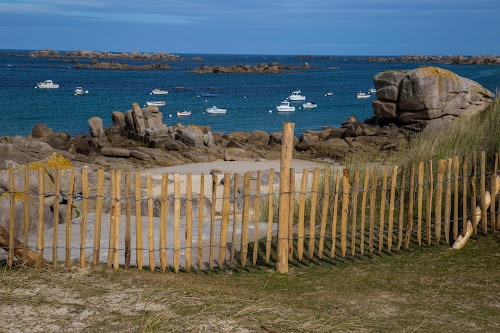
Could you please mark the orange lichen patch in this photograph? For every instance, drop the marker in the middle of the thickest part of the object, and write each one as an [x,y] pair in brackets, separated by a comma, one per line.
[51,162]
[439,72]
[193,126]
[20,197]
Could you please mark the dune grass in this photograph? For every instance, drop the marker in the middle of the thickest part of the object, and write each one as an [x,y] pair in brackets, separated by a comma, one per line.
[429,289]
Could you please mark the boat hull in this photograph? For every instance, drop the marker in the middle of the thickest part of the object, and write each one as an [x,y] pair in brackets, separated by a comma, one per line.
[159,92]
[155,103]
[285,109]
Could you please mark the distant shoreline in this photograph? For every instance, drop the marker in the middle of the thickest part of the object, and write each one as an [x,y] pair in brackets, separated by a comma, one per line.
[451,59]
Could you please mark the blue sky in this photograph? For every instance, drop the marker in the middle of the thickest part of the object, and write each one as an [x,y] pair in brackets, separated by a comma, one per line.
[318,27]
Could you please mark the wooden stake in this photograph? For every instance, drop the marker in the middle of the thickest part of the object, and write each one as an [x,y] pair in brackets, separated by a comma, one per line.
[464,196]
[312,221]
[177,221]
[128,213]
[456,168]
[235,218]
[285,164]
[112,224]
[27,213]
[302,203]
[484,215]
[256,219]
[212,221]
[373,198]
[324,211]
[225,219]
[188,242]
[409,221]
[391,207]
[430,190]
[270,215]
[382,210]
[473,192]
[401,207]
[151,237]
[363,211]
[83,222]
[439,197]
[12,225]
[201,205]
[138,221]
[118,210]
[447,204]
[69,216]
[354,212]
[40,230]
[346,189]
[55,230]
[291,210]
[335,213]
[493,190]
[98,216]
[420,201]
[244,223]
[163,221]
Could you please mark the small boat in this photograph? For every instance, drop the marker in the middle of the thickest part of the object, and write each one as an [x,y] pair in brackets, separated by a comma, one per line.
[180,88]
[79,91]
[155,103]
[159,92]
[362,95]
[372,91]
[47,84]
[329,94]
[209,94]
[296,96]
[216,110]
[183,113]
[309,105]
[285,107]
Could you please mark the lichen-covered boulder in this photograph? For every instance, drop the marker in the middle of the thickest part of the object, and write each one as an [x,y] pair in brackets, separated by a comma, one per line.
[192,136]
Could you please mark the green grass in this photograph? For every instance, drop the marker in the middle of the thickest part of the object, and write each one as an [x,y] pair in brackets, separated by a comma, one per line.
[425,289]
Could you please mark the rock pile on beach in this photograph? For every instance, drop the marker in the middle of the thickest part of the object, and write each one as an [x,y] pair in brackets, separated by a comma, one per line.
[427,95]
[162,56]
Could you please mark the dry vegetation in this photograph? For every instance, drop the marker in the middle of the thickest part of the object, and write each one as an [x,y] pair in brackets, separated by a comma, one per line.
[427,289]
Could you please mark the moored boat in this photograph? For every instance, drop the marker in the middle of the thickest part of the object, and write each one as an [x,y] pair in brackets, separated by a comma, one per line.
[209,94]
[296,96]
[159,92]
[216,110]
[362,95]
[285,107]
[79,91]
[47,84]
[329,94]
[183,113]
[372,91]
[155,103]
[309,105]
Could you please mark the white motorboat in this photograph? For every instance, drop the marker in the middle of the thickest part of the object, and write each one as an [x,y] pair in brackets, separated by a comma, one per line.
[47,84]
[362,95]
[296,96]
[79,91]
[328,94]
[285,107]
[372,91]
[159,92]
[309,105]
[183,113]
[155,103]
[216,110]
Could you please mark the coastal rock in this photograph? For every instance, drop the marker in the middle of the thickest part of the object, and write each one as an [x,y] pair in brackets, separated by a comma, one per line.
[115,152]
[235,154]
[258,138]
[98,137]
[41,131]
[118,119]
[359,129]
[350,119]
[425,94]
[193,136]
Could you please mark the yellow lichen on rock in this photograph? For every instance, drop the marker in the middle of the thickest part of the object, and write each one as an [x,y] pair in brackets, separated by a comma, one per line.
[51,162]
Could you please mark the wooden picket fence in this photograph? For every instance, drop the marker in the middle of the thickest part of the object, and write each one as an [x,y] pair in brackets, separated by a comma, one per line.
[333,213]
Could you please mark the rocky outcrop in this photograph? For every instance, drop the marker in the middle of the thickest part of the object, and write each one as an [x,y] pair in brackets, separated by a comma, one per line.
[123,67]
[418,97]
[273,68]
[456,59]
[162,56]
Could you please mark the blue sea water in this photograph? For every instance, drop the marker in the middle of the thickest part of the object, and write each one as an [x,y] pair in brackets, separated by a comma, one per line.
[248,97]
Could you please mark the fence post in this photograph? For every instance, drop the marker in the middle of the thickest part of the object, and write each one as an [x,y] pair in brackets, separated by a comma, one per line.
[13,218]
[285,164]
[484,215]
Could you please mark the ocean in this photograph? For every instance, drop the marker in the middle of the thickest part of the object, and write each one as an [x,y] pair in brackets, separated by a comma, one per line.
[249,98]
